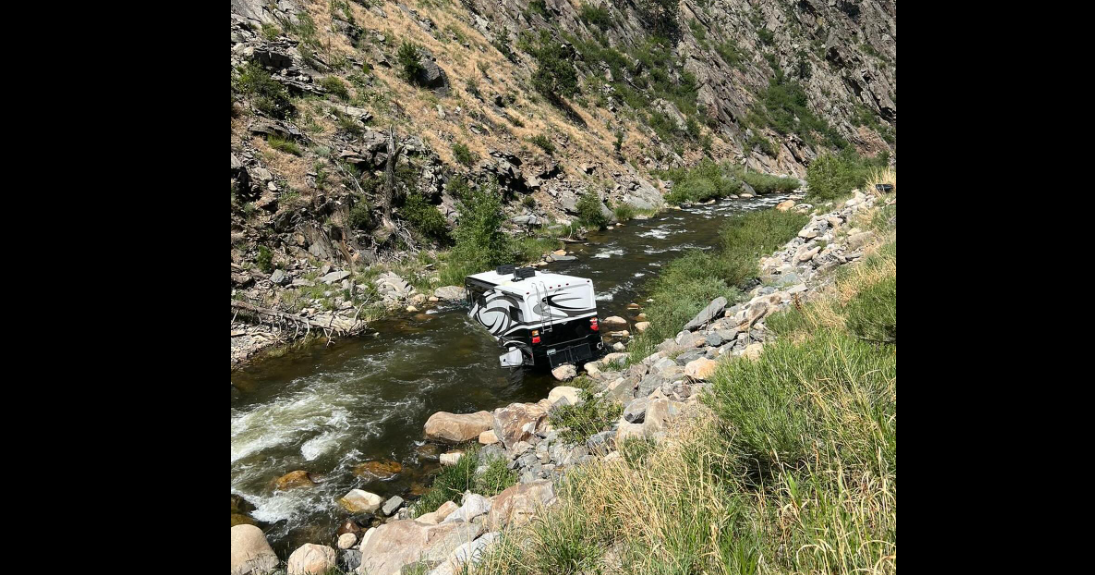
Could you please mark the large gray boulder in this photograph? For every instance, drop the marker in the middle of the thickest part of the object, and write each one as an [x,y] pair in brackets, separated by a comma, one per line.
[712,312]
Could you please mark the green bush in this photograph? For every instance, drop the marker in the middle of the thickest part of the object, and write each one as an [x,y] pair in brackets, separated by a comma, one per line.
[767,183]
[361,215]
[590,212]
[464,155]
[624,212]
[872,313]
[555,76]
[409,62]
[283,145]
[832,176]
[785,107]
[694,190]
[660,17]
[425,218]
[451,482]
[267,94]
[336,87]
[480,242]
[265,260]
[543,142]
[596,16]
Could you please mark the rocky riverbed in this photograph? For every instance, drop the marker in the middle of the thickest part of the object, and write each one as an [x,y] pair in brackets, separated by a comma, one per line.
[652,394]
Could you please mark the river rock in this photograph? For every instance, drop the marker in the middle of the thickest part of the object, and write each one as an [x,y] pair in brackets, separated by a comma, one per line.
[753,350]
[382,470]
[311,559]
[450,293]
[335,277]
[565,372]
[642,326]
[251,554]
[569,395]
[346,540]
[785,205]
[453,428]
[711,312]
[516,505]
[613,322]
[390,506]
[661,410]
[470,553]
[293,480]
[518,422]
[361,501]
[635,411]
[279,277]
[488,437]
[450,459]
[241,519]
[700,369]
[474,506]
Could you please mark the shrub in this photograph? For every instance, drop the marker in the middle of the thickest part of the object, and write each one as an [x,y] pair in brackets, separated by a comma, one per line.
[265,259]
[555,77]
[624,212]
[784,107]
[529,202]
[336,87]
[361,215]
[590,211]
[832,176]
[596,16]
[267,94]
[463,154]
[480,242]
[767,183]
[660,17]
[425,218]
[543,142]
[409,62]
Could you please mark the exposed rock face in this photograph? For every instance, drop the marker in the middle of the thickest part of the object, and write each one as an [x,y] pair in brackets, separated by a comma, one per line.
[251,554]
[454,428]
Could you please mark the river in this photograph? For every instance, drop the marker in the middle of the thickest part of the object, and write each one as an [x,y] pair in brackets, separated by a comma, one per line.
[324,409]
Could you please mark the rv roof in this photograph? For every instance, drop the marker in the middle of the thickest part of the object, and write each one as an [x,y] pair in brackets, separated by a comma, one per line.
[506,281]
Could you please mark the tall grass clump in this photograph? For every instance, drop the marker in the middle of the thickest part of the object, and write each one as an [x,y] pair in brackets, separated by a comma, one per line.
[591,416]
[451,482]
[591,213]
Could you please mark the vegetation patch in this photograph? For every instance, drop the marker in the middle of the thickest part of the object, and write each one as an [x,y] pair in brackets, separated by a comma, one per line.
[593,415]
[452,481]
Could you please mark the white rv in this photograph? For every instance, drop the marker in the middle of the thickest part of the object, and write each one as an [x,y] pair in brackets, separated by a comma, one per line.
[542,319]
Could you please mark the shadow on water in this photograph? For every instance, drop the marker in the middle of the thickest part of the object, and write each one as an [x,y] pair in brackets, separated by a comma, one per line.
[325,409]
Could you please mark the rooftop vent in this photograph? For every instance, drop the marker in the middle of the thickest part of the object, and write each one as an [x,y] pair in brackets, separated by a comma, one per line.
[522,273]
[505,270]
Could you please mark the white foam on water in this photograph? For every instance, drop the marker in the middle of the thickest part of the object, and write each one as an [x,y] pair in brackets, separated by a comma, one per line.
[660,233]
[605,254]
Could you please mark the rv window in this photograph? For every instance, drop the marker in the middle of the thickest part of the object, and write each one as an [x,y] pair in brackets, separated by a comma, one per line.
[515,315]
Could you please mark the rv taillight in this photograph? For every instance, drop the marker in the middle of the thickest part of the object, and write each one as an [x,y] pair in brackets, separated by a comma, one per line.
[593,324]
[536,339]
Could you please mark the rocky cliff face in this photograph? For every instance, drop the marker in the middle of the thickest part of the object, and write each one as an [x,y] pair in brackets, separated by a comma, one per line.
[343,146]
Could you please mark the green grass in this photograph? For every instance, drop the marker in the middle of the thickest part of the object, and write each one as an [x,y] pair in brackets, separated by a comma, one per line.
[335,86]
[589,417]
[543,142]
[266,94]
[767,183]
[687,284]
[452,481]
[872,314]
[283,145]
[793,469]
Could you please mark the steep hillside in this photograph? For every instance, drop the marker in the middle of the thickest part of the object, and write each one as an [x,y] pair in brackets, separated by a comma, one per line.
[350,121]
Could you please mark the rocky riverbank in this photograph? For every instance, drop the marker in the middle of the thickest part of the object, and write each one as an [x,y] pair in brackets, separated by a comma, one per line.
[641,400]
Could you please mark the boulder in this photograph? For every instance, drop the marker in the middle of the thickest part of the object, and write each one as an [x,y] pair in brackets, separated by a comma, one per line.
[661,410]
[635,411]
[400,543]
[470,553]
[450,459]
[570,395]
[627,431]
[251,554]
[565,372]
[613,322]
[311,559]
[642,326]
[785,205]
[361,501]
[701,368]
[382,470]
[753,350]
[454,428]
[713,311]
[279,277]
[474,506]
[293,480]
[518,422]
[450,293]
[516,505]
